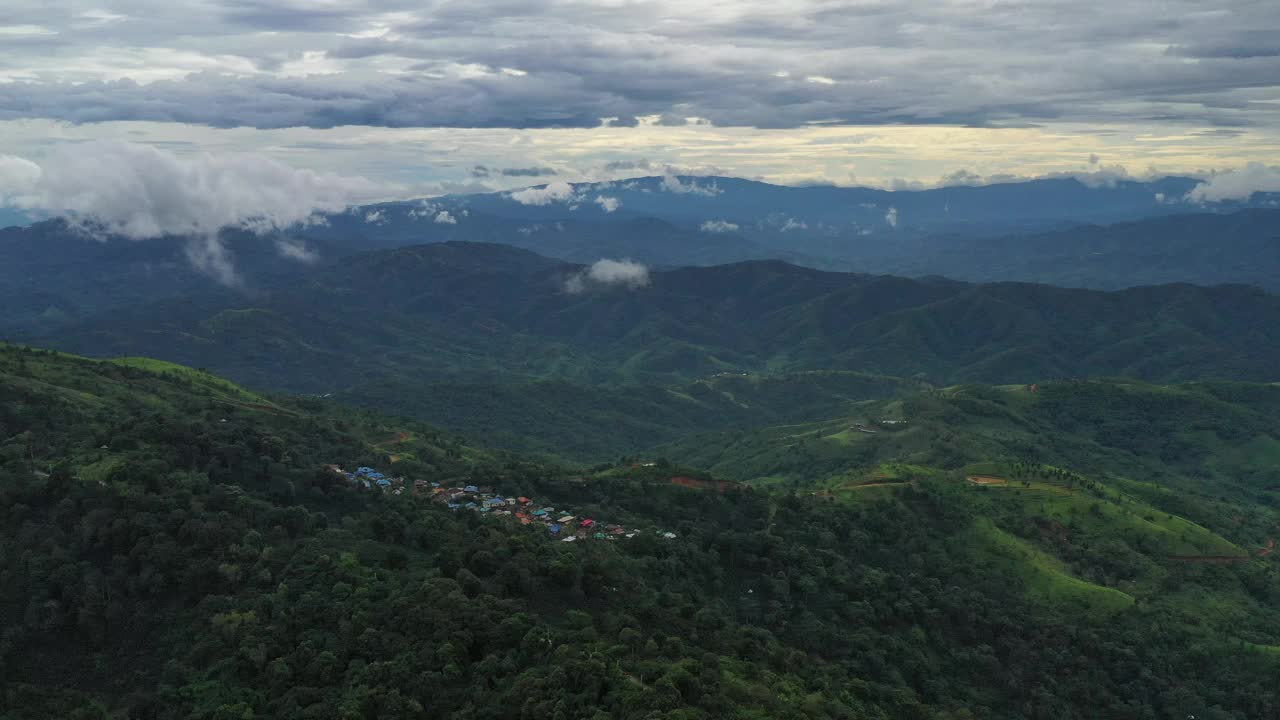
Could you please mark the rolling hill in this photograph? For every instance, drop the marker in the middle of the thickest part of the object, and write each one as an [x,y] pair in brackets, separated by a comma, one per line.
[474,312]
[176,545]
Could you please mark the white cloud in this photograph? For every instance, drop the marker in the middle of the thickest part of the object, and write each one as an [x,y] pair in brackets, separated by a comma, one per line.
[109,188]
[891,217]
[718,226]
[673,184]
[794,224]
[625,273]
[16,175]
[608,204]
[1237,184]
[25,30]
[444,218]
[558,191]
[296,250]
[1103,176]
[425,209]
[375,217]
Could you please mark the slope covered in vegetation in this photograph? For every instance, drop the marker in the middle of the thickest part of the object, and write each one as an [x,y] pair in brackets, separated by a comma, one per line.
[171,552]
[463,312]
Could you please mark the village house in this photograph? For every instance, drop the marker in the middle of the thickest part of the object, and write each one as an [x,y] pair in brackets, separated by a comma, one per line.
[485,500]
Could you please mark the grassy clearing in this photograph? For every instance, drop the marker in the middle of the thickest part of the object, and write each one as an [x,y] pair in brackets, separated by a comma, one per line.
[1116,515]
[197,376]
[1271,651]
[101,470]
[1045,579]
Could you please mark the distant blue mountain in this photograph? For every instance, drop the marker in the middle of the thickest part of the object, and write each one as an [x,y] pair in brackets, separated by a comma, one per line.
[760,206]
[816,224]
[1060,232]
[971,232]
[695,200]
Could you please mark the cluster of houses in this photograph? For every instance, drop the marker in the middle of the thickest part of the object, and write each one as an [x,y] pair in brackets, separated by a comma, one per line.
[863,428]
[560,523]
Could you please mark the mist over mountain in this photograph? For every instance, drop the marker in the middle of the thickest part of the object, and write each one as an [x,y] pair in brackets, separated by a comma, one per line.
[1052,230]
[661,360]
[1042,231]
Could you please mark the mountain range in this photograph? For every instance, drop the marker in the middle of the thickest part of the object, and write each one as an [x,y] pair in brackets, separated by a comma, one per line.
[1063,232]
[398,307]
[780,488]
[406,329]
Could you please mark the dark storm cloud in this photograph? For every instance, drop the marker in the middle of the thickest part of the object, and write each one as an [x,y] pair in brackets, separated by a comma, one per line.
[547,63]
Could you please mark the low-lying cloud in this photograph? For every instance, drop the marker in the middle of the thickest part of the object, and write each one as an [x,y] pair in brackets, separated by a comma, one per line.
[608,204]
[296,249]
[718,226]
[1237,184]
[605,273]
[545,195]
[116,189]
[673,184]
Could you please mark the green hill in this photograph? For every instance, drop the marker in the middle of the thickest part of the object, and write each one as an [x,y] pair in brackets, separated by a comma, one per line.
[173,546]
[595,423]
[481,338]
[463,312]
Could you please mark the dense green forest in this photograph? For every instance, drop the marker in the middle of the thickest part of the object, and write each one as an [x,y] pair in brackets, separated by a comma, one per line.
[479,313]
[591,423]
[486,340]
[174,546]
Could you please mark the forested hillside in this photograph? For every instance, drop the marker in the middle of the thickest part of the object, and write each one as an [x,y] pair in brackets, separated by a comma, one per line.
[462,312]
[173,546]
[595,423]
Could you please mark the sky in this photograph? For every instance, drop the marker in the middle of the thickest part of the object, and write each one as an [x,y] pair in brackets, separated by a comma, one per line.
[398,98]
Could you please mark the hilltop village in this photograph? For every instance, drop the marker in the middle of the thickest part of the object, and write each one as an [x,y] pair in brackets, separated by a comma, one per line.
[560,523]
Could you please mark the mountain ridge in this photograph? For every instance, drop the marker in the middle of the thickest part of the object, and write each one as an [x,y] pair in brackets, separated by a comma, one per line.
[466,312]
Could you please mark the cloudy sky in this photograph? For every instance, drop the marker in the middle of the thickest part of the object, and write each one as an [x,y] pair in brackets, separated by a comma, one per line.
[427,97]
